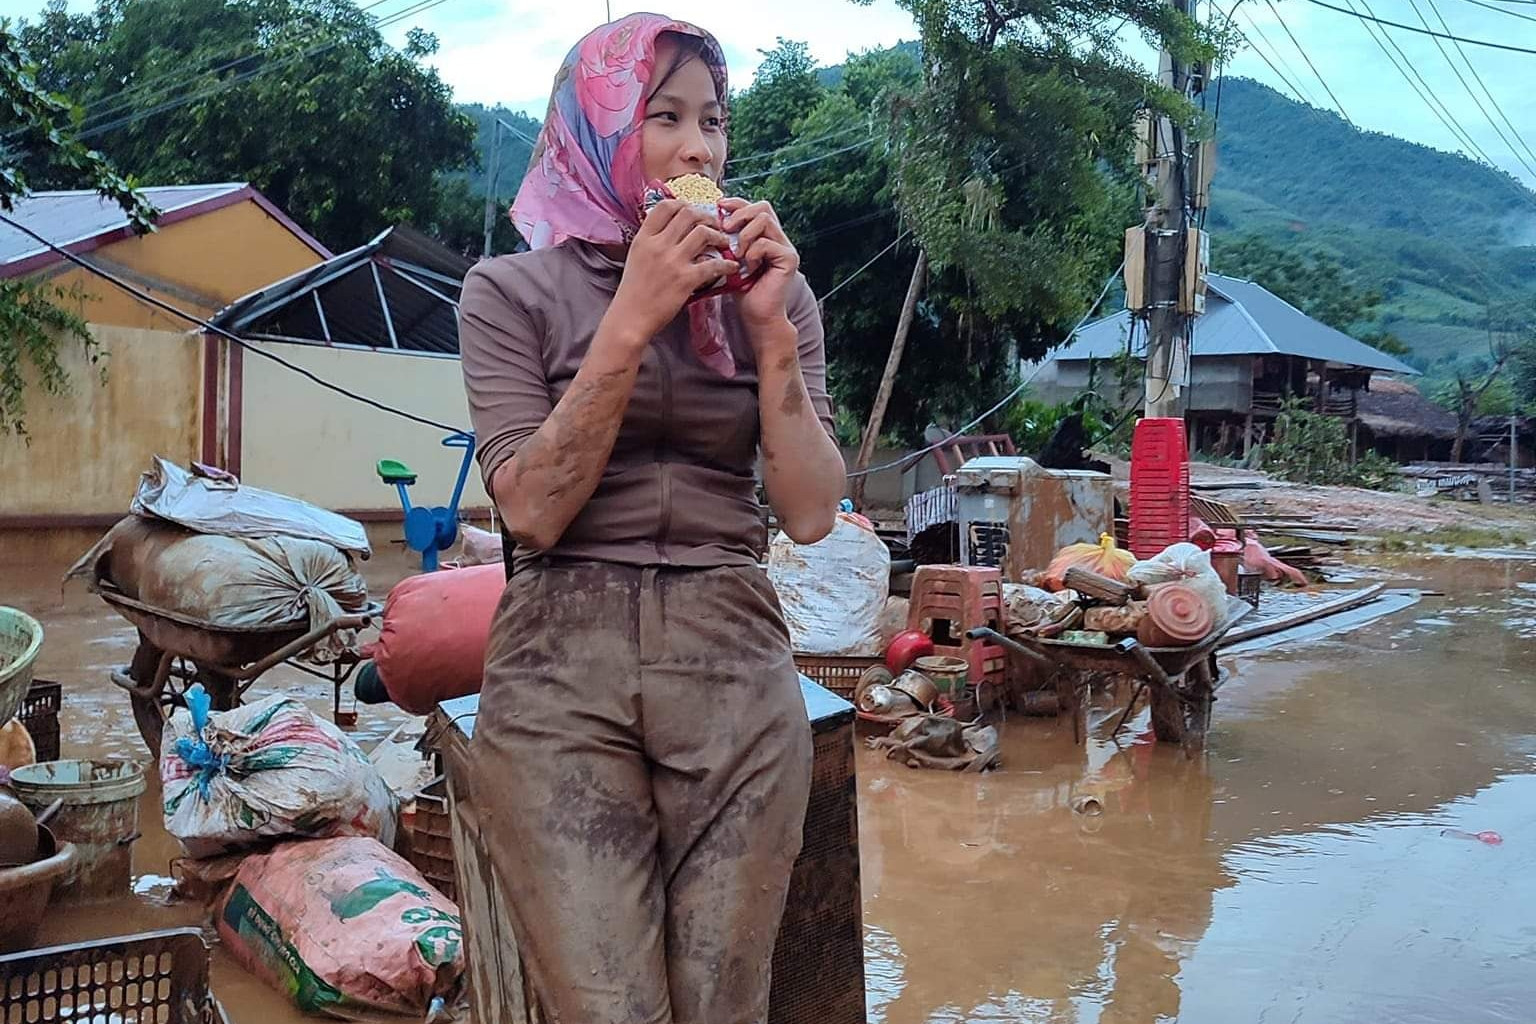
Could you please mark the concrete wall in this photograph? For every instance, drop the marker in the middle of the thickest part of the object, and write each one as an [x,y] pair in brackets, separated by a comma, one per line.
[303,440]
[889,490]
[200,265]
[89,446]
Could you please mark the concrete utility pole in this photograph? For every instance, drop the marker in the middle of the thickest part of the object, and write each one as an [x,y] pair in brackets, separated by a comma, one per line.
[1167,240]
[490,188]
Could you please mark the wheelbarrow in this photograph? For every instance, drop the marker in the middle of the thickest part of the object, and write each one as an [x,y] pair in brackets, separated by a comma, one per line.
[176,651]
[1182,680]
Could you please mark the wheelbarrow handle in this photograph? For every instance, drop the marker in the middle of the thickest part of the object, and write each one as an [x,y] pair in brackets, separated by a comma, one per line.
[988,633]
[1144,660]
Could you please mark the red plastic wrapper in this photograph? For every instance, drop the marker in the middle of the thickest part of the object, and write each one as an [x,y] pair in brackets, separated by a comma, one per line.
[656,192]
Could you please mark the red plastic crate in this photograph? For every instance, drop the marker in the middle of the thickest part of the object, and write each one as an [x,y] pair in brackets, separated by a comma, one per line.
[1159,486]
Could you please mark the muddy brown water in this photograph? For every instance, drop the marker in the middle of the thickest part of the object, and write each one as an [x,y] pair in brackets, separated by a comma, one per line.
[1298,872]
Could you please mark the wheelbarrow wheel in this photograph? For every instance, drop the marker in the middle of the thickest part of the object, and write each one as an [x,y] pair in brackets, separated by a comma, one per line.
[144,670]
[1185,717]
[169,692]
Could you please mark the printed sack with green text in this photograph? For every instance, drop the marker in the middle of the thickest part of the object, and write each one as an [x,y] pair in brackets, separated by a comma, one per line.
[343,925]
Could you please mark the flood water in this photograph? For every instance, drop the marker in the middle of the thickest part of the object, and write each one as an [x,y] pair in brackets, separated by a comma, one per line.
[1299,872]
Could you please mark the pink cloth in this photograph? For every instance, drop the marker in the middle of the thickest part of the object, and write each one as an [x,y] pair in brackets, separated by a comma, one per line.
[587,177]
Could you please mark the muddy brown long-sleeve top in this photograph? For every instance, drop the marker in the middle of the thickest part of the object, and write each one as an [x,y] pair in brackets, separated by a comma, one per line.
[679,488]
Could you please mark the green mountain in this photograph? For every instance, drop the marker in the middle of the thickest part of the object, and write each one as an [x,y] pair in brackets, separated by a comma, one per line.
[1442,237]
[512,144]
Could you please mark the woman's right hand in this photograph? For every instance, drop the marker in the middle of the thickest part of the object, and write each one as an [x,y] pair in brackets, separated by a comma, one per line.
[664,269]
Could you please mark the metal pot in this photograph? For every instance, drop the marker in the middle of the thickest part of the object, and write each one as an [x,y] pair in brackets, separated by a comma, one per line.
[917,686]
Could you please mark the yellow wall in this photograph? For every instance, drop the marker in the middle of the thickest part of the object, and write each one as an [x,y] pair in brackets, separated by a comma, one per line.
[89,446]
[200,265]
[303,440]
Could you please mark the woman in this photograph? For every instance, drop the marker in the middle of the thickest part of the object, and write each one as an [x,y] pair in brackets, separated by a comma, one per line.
[642,752]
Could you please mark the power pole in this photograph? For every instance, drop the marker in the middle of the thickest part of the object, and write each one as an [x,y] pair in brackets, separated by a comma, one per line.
[1514,441]
[887,380]
[490,188]
[1167,246]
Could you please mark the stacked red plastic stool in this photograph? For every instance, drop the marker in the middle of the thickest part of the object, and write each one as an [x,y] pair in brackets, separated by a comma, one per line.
[1159,486]
[949,600]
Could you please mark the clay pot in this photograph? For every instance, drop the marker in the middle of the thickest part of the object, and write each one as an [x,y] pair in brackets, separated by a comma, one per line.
[1177,616]
[18,831]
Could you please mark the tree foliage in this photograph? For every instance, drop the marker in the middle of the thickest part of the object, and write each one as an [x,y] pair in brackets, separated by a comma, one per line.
[33,319]
[1310,447]
[302,98]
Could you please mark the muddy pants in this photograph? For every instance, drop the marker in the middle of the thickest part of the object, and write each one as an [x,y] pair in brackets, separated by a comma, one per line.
[642,764]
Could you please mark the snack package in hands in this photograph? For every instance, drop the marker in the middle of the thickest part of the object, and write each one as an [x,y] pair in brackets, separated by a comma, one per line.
[702,194]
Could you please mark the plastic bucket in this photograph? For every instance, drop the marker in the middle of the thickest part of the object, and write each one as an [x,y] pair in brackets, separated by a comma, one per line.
[948,674]
[100,817]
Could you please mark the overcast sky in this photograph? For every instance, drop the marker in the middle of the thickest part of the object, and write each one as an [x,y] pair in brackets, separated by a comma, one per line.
[507,51]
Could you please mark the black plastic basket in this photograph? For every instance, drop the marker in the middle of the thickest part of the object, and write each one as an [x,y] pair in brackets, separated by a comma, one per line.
[153,978]
[40,715]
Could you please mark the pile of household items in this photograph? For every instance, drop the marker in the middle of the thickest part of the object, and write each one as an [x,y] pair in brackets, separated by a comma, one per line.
[289,832]
[1041,596]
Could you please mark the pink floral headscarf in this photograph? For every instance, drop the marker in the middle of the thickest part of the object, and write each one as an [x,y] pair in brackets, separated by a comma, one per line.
[587,177]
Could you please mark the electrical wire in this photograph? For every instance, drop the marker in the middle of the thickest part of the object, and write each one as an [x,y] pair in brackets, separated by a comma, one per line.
[1304,95]
[800,163]
[1431,99]
[1421,87]
[821,233]
[1469,91]
[166,307]
[799,142]
[1423,31]
[847,280]
[1488,92]
[911,458]
[1323,82]
[1500,10]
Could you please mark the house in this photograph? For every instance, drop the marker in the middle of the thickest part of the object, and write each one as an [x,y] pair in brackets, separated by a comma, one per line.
[214,243]
[1395,419]
[1250,351]
[380,321]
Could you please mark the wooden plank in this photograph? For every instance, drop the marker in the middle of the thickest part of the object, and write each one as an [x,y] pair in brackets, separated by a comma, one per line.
[1343,602]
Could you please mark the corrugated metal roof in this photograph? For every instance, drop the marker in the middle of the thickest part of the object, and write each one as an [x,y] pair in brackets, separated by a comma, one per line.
[68,218]
[421,280]
[1242,318]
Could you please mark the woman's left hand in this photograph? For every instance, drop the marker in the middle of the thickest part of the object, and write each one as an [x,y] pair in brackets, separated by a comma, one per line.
[763,246]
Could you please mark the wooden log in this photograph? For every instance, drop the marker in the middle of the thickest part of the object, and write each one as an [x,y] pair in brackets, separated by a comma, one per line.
[1098,586]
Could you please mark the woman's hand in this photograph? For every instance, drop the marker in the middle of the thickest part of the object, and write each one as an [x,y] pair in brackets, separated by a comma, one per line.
[663,269]
[764,245]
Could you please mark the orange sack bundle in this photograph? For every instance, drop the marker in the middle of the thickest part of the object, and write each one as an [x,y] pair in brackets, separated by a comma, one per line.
[432,640]
[1103,558]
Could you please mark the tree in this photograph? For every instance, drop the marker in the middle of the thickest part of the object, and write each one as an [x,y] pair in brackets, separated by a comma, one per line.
[302,98]
[1480,388]
[1005,156]
[784,91]
[33,319]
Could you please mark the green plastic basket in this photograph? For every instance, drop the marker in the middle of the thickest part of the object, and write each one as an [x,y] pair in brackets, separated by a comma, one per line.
[21,637]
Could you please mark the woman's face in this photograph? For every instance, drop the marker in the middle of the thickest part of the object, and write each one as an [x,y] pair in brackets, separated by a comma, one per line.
[684,130]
